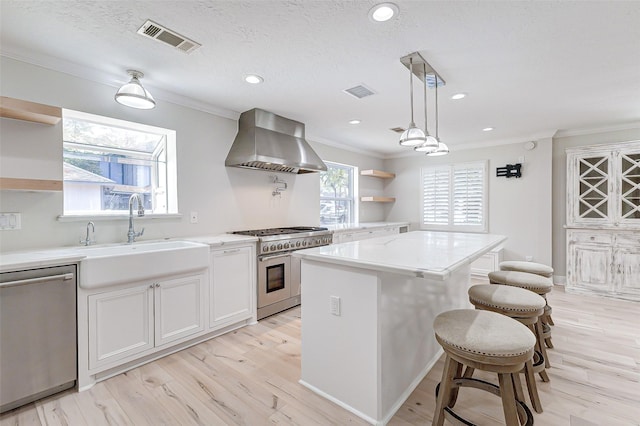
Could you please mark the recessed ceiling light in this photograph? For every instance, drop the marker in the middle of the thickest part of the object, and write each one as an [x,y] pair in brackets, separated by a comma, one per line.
[487,129]
[354,122]
[458,96]
[383,12]
[253,79]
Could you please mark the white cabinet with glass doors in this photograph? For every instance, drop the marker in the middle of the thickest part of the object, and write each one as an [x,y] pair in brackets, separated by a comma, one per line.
[603,219]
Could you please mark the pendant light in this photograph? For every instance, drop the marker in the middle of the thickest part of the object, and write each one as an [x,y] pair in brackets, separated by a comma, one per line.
[413,135]
[430,143]
[133,95]
[442,148]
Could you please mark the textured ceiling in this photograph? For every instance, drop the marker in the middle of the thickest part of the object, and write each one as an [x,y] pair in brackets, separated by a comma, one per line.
[529,68]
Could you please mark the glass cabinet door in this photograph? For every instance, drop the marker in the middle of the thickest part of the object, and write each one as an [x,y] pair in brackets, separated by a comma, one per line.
[629,185]
[594,197]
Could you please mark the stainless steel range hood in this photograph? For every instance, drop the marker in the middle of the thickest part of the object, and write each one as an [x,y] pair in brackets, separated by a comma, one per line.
[266,141]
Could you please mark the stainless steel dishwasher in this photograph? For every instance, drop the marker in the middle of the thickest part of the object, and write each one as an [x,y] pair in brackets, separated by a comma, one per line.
[37,334]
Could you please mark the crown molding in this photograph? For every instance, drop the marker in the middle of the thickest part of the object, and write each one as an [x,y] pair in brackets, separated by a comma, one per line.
[596,130]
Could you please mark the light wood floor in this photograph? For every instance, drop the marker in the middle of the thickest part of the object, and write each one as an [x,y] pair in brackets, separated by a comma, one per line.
[249,377]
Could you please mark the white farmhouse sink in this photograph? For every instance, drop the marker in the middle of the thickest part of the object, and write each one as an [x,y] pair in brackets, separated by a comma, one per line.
[128,263]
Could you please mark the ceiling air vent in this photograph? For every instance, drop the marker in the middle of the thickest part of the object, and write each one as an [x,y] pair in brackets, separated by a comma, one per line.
[397,129]
[360,91]
[158,32]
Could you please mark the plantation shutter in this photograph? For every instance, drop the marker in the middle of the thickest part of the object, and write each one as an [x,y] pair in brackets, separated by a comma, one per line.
[454,197]
[468,195]
[435,200]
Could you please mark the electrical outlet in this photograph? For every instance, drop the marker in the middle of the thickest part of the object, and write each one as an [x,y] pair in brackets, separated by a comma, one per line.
[10,221]
[334,305]
[193,218]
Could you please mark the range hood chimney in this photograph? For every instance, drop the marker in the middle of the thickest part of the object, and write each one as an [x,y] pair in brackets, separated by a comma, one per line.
[266,141]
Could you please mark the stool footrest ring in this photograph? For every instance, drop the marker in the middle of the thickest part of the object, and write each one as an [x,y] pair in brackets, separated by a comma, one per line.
[454,418]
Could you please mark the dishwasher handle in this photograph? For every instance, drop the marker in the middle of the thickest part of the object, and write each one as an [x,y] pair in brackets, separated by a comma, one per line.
[64,277]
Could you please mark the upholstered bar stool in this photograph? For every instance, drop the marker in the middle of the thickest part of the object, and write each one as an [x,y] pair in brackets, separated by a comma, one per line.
[535,283]
[532,268]
[524,306]
[488,341]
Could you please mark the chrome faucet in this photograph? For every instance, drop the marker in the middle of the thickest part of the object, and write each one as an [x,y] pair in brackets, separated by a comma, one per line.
[132,234]
[88,241]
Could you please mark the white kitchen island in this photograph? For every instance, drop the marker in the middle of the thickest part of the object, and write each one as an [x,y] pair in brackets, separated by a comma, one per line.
[370,353]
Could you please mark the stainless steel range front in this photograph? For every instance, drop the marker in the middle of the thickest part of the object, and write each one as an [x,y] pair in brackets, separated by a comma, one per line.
[278,271]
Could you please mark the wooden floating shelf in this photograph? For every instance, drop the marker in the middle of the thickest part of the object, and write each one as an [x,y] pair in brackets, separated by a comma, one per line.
[29,111]
[378,174]
[19,184]
[378,199]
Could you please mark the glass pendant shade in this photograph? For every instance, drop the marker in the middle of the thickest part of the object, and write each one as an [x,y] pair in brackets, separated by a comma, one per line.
[413,136]
[429,145]
[442,149]
[133,95]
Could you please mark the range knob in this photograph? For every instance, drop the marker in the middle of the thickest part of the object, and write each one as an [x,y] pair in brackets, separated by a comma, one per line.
[286,245]
[279,246]
[273,247]
[304,244]
[317,240]
[297,243]
[265,248]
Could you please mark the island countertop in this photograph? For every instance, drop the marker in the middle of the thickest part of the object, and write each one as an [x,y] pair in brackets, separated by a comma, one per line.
[426,254]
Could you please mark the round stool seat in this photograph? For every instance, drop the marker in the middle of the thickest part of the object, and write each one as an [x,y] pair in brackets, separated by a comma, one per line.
[484,336]
[513,301]
[530,267]
[532,282]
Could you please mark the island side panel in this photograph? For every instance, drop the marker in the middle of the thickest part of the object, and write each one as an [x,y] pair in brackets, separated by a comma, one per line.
[408,306]
[340,354]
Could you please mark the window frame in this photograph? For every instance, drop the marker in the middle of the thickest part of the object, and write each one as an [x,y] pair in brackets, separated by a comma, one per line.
[169,175]
[353,190]
[450,196]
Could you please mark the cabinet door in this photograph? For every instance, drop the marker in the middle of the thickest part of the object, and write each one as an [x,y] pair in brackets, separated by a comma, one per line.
[627,269]
[590,188]
[628,190]
[590,266]
[120,324]
[179,308]
[233,289]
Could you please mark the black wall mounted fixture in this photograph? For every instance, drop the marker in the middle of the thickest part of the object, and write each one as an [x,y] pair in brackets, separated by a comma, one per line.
[511,170]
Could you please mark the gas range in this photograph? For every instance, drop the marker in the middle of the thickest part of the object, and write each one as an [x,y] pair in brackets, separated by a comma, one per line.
[275,240]
[279,277]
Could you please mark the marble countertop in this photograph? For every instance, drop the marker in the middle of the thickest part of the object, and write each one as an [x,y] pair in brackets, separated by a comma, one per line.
[346,227]
[427,254]
[42,258]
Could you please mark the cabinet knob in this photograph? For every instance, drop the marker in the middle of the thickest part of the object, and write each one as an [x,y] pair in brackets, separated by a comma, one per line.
[151,286]
[157,285]
[593,238]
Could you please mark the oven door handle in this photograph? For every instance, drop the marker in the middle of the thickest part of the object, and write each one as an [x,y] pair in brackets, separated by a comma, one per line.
[273,256]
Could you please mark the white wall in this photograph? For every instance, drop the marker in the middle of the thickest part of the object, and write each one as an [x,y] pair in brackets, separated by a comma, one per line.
[560,144]
[225,198]
[520,208]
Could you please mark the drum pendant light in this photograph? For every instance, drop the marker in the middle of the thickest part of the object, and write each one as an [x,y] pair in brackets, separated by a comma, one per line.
[413,136]
[430,143]
[133,95]
[442,148]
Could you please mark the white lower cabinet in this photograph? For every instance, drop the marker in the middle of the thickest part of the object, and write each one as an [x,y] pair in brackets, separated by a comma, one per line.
[605,262]
[233,285]
[129,321]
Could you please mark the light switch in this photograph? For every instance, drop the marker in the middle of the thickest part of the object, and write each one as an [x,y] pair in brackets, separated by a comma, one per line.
[193,217]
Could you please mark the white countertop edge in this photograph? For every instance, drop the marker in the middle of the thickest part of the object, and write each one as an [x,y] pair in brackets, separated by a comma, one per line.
[416,272]
[46,257]
[363,226]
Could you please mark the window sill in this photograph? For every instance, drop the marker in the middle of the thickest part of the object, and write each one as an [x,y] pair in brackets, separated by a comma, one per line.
[105,217]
